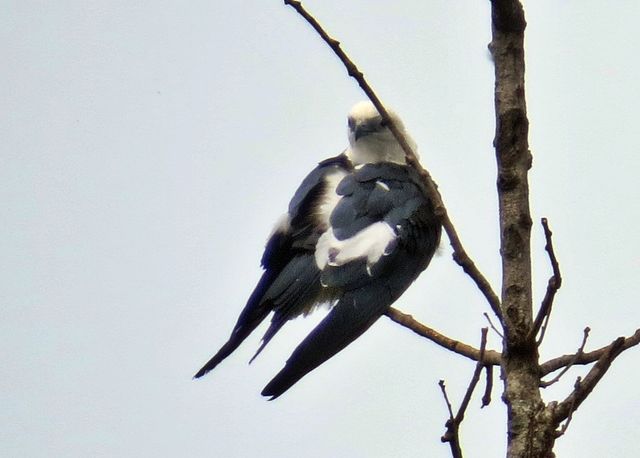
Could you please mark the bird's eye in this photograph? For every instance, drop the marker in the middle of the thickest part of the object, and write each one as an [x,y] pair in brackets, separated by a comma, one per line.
[384,123]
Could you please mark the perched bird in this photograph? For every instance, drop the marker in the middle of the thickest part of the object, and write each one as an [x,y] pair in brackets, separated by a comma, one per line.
[359,230]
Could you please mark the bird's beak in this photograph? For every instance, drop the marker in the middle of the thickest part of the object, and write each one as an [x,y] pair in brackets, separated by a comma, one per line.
[362,130]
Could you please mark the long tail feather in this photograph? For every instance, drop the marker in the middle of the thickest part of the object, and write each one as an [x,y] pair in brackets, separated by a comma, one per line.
[252,315]
[234,342]
[351,316]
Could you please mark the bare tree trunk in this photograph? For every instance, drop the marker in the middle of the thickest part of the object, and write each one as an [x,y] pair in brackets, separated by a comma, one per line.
[530,427]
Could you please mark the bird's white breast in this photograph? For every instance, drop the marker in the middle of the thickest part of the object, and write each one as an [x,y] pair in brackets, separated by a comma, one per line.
[330,198]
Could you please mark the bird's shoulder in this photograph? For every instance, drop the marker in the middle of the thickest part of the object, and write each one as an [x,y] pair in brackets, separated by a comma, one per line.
[382,191]
[301,226]
[312,186]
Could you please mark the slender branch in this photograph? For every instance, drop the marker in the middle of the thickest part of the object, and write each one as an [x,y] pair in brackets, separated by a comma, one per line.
[491,357]
[554,284]
[460,256]
[586,358]
[486,315]
[572,408]
[582,389]
[443,388]
[580,351]
[486,398]
[474,379]
[452,435]
[543,328]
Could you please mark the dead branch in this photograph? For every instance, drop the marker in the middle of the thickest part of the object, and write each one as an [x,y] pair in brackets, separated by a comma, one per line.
[474,379]
[580,351]
[582,389]
[452,435]
[563,428]
[460,256]
[486,397]
[553,285]
[446,398]
[586,358]
[491,357]
[486,315]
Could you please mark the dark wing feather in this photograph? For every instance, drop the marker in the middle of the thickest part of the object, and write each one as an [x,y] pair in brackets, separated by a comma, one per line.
[291,278]
[352,315]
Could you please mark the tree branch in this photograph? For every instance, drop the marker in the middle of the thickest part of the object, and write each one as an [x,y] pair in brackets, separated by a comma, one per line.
[486,315]
[583,388]
[486,398]
[474,379]
[586,358]
[580,351]
[554,284]
[564,427]
[460,256]
[452,435]
[491,357]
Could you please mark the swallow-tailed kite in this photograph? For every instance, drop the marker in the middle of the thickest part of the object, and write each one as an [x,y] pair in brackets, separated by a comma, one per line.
[359,230]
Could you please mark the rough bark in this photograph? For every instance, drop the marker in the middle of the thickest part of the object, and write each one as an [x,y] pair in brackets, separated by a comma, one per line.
[530,425]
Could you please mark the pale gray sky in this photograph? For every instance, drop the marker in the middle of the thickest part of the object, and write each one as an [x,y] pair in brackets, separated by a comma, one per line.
[148,147]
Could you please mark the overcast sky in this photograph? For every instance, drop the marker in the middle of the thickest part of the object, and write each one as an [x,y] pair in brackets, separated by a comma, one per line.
[148,147]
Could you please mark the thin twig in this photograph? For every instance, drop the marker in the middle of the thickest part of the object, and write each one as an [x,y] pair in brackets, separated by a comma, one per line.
[491,357]
[580,351]
[543,329]
[486,398]
[582,389]
[554,284]
[486,315]
[443,388]
[586,358]
[564,427]
[452,434]
[474,379]
[460,256]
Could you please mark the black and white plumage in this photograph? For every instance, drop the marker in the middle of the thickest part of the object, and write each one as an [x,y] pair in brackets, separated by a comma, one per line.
[359,230]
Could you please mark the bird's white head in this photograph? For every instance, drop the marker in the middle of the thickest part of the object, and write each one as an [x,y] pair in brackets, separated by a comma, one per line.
[370,139]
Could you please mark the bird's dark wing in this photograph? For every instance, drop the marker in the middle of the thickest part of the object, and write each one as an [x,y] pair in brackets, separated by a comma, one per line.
[384,196]
[383,234]
[290,283]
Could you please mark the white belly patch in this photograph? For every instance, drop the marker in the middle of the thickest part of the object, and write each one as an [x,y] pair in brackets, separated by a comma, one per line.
[371,243]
